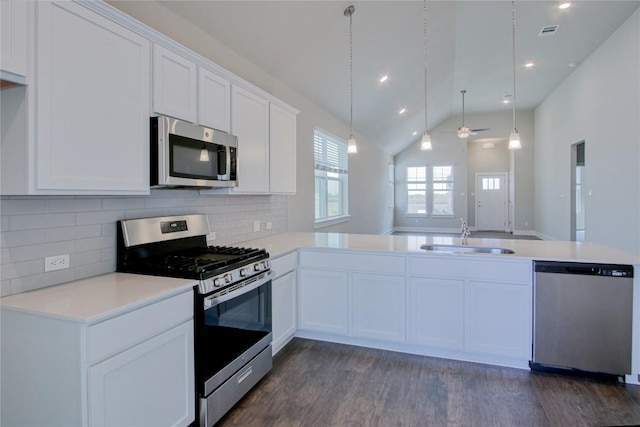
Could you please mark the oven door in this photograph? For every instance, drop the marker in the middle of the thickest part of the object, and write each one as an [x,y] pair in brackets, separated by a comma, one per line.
[233,327]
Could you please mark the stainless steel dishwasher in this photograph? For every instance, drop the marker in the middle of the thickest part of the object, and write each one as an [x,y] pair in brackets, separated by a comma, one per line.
[582,317]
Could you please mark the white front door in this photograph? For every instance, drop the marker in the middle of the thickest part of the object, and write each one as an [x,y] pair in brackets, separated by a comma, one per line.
[491,201]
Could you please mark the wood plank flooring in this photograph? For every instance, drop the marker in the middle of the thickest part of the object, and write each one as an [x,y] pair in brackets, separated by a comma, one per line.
[315,383]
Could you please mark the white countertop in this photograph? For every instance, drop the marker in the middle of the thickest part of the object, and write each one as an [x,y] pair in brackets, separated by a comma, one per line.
[96,298]
[281,244]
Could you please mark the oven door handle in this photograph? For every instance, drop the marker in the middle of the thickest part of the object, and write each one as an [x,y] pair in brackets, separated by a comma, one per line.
[215,300]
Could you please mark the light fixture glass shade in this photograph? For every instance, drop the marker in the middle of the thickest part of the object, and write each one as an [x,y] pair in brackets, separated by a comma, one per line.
[426,142]
[351,145]
[204,155]
[463,132]
[514,140]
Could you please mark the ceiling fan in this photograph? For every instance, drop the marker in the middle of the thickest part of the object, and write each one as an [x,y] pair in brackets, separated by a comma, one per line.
[463,131]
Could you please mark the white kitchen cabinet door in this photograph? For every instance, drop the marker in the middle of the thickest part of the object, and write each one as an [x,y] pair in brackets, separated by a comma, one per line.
[323,301]
[151,384]
[283,299]
[250,123]
[435,312]
[214,101]
[498,319]
[92,134]
[282,150]
[377,307]
[13,40]
[175,90]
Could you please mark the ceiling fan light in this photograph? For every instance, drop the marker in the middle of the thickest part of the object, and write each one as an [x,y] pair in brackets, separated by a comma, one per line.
[426,142]
[351,145]
[514,140]
[463,132]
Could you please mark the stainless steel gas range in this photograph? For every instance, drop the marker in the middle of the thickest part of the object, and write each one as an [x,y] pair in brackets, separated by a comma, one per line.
[232,302]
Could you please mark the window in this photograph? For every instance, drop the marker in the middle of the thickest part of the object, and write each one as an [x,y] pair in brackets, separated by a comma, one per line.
[433,190]
[331,176]
[490,184]
[442,191]
[417,190]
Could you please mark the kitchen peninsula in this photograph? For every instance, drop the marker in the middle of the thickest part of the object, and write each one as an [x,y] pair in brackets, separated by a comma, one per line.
[386,292]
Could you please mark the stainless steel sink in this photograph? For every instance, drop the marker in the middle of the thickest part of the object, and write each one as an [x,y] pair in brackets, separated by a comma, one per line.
[466,249]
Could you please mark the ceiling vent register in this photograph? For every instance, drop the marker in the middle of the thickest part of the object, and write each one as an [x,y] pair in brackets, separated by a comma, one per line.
[549,30]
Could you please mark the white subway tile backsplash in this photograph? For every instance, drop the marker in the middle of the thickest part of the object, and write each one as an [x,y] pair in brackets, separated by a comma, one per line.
[95,243]
[32,222]
[100,217]
[22,206]
[22,269]
[85,227]
[12,239]
[84,258]
[73,205]
[73,233]
[25,253]
[38,281]
[97,269]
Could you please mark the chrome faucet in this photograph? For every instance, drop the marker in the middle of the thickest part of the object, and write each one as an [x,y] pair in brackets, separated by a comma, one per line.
[465,231]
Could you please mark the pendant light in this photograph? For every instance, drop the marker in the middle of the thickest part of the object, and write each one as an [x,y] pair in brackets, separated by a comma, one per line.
[351,145]
[426,138]
[514,138]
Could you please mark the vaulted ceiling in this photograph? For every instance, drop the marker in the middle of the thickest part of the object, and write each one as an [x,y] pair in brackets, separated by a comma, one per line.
[305,44]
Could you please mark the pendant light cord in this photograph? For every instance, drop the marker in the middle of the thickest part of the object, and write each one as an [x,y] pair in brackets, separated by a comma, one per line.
[351,69]
[513,54]
[424,15]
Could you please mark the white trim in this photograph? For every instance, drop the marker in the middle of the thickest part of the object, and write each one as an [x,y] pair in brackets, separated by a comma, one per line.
[525,233]
[544,236]
[331,221]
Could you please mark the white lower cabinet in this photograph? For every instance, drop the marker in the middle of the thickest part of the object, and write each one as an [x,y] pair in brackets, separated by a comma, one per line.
[134,369]
[435,312]
[146,385]
[323,301]
[283,297]
[498,319]
[377,306]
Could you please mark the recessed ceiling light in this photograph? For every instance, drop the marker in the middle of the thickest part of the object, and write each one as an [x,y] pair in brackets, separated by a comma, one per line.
[404,110]
[384,78]
[507,98]
[505,101]
[565,5]
[529,64]
[415,132]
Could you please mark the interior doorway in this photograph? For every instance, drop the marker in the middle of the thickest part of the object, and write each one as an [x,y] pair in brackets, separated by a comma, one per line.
[491,202]
[578,193]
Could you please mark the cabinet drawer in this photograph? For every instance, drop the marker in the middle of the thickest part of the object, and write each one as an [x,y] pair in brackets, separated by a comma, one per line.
[114,335]
[284,264]
[479,269]
[370,263]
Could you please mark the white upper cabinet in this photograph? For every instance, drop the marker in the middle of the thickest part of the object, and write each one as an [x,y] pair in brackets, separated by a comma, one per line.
[214,101]
[250,123]
[92,110]
[282,150]
[13,40]
[175,90]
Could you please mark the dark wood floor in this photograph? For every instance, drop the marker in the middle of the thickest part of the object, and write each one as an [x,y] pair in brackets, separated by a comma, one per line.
[315,383]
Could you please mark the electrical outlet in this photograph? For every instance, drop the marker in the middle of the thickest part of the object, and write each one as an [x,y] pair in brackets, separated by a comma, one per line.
[56,262]
[268,225]
[256,226]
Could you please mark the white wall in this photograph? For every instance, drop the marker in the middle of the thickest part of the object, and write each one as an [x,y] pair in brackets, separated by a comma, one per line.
[449,149]
[600,104]
[368,208]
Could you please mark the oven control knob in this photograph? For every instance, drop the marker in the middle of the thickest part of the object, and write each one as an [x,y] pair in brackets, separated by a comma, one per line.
[217,282]
[227,278]
[257,266]
[243,272]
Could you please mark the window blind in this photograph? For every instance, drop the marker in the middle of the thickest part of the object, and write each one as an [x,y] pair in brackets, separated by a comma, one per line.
[330,153]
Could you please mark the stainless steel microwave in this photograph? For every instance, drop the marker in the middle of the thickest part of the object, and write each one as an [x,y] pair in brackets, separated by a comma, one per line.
[187,155]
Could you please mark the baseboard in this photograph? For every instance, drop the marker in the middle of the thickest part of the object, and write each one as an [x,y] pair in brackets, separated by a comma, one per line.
[525,233]
[544,236]
[388,232]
